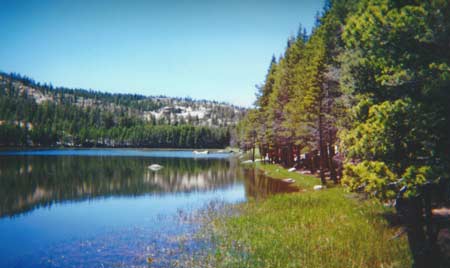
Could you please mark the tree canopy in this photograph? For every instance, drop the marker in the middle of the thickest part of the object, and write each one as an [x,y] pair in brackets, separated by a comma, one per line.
[371,81]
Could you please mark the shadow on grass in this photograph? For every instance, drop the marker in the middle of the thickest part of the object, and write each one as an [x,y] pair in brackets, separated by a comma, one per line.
[425,253]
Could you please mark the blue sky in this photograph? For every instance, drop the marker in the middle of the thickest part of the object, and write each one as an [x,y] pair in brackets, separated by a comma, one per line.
[202,49]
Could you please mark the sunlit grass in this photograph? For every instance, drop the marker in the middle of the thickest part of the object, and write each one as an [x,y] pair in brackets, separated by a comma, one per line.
[304,182]
[327,228]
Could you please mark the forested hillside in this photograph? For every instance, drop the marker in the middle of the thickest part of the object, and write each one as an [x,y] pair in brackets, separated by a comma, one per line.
[41,115]
[365,98]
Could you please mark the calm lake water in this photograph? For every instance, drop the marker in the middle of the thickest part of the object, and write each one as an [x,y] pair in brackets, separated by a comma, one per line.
[106,208]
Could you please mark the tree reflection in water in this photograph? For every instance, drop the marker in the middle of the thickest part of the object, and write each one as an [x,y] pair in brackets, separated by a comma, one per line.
[258,185]
[28,182]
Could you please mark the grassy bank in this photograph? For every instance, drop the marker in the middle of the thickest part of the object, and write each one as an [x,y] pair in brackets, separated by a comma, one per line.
[304,182]
[328,228]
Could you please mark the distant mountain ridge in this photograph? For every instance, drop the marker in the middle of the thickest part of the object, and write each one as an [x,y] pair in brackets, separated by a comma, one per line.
[166,110]
[34,114]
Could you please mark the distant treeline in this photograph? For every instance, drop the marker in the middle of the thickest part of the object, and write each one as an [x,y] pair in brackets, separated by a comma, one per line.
[23,122]
[70,95]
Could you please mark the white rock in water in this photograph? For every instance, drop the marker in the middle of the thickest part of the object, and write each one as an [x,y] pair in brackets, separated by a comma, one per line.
[155,167]
[247,162]
[288,180]
[319,187]
[291,169]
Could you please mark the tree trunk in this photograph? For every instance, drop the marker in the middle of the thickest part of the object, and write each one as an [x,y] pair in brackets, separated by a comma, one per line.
[261,152]
[291,155]
[277,154]
[287,157]
[321,147]
[253,153]
[331,163]
[326,166]
[274,153]
[311,160]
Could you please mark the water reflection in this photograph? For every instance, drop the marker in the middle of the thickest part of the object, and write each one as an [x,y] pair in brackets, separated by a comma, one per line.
[28,182]
[129,212]
[258,185]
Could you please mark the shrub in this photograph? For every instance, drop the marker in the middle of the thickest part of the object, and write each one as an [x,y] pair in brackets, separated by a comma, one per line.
[372,177]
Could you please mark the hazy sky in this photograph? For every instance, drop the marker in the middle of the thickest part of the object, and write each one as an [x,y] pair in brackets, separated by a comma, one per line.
[201,49]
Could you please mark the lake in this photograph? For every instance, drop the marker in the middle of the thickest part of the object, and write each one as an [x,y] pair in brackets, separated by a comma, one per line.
[106,208]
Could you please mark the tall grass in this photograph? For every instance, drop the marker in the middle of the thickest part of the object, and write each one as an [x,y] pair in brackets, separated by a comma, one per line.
[326,228]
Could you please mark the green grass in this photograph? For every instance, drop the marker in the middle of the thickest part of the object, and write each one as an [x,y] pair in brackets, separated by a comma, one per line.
[327,228]
[305,182]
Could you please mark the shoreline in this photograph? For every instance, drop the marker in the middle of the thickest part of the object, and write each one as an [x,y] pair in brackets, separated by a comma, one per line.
[326,228]
[100,148]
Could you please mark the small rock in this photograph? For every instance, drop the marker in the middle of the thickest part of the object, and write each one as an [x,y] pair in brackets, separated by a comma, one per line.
[155,167]
[319,187]
[288,180]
